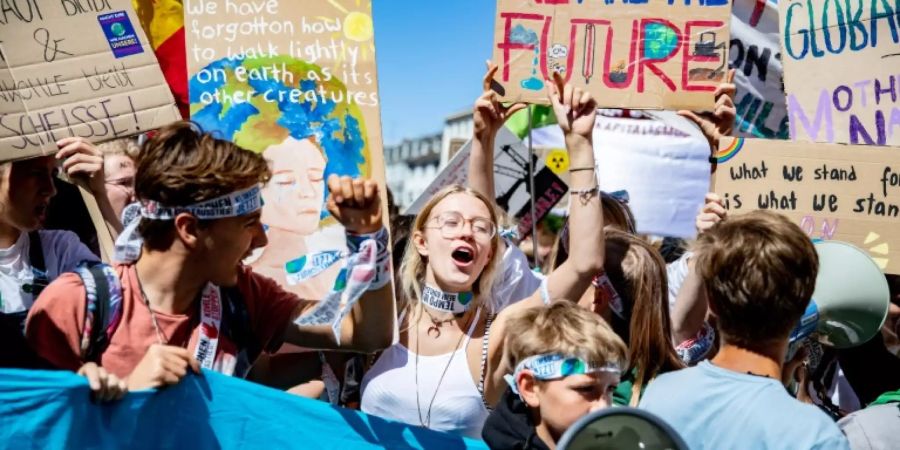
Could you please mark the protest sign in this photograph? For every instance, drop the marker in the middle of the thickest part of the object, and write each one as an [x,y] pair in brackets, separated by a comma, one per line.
[840,70]
[849,193]
[755,54]
[511,183]
[75,68]
[632,54]
[296,82]
[647,153]
[54,409]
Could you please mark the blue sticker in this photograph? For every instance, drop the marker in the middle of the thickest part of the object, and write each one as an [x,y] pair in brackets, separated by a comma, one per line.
[120,33]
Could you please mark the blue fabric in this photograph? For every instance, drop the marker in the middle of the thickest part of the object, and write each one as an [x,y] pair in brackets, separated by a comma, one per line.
[42,409]
[715,408]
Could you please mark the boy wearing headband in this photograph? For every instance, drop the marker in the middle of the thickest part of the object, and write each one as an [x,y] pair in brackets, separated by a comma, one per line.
[186,301]
[566,363]
[759,272]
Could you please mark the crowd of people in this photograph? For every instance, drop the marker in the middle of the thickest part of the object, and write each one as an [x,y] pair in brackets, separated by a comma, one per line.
[470,340]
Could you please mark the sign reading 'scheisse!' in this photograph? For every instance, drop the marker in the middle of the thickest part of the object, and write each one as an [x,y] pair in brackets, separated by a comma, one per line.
[75,68]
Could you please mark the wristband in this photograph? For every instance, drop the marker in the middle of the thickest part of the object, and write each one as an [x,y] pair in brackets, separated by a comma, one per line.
[382,255]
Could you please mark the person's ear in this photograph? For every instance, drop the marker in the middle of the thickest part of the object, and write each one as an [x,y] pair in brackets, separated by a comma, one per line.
[418,239]
[187,228]
[527,386]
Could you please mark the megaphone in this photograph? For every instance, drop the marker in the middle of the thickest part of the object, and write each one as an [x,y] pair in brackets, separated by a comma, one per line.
[850,302]
[621,428]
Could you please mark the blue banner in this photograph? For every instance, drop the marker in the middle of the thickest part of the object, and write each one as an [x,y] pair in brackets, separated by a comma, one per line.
[41,409]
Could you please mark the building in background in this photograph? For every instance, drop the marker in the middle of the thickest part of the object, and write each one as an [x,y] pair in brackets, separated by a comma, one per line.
[413,163]
[457,131]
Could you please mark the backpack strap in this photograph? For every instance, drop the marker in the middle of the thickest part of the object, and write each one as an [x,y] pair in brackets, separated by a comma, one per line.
[38,265]
[103,309]
[236,325]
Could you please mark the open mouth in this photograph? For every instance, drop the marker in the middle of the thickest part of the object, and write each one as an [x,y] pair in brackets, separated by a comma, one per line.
[463,255]
[40,211]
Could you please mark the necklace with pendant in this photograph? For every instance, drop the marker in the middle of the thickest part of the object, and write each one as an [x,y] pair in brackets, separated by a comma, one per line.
[436,324]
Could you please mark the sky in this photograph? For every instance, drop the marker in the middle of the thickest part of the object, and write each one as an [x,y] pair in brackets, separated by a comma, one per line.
[430,57]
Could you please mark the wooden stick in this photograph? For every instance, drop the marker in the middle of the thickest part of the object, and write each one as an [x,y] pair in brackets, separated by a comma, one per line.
[104,233]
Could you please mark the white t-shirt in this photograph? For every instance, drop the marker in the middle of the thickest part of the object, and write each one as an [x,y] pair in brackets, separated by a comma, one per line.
[63,251]
[515,280]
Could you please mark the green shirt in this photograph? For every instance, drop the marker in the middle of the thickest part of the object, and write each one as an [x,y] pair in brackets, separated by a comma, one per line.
[622,394]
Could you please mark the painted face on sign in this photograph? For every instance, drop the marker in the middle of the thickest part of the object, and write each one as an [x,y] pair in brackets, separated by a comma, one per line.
[293,198]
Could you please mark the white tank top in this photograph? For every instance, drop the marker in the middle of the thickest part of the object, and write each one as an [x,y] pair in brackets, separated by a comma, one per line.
[389,389]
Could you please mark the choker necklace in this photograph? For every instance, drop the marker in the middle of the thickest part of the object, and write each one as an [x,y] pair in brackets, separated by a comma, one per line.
[456,303]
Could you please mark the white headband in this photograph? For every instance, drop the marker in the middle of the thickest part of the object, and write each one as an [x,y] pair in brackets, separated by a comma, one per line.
[239,203]
[552,366]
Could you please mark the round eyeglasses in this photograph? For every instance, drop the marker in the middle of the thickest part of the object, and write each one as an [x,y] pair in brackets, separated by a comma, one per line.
[452,225]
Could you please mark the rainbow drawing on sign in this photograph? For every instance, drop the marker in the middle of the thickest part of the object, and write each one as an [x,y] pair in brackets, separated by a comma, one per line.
[725,154]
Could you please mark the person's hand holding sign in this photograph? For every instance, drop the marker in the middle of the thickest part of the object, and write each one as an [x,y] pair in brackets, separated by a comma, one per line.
[720,122]
[489,114]
[355,203]
[82,160]
[575,109]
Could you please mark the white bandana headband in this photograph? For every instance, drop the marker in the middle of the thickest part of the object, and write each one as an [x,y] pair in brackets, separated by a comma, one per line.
[367,268]
[553,366]
[452,302]
[128,245]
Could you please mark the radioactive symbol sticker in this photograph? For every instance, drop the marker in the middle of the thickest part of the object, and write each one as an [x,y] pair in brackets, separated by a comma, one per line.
[557,160]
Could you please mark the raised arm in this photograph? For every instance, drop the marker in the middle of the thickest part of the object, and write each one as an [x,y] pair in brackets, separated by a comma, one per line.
[488,116]
[82,161]
[576,112]
[720,122]
[356,204]
[689,313]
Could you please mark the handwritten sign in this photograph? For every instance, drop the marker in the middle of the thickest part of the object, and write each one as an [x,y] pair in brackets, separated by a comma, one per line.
[75,68]
[295,81]
[755,54]
[833,191]
[647,153]
[627,53]
[511,184]
[841,64]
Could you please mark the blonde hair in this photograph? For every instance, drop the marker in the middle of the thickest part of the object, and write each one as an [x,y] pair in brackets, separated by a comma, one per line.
[562,327]
[414,265]
[126,146]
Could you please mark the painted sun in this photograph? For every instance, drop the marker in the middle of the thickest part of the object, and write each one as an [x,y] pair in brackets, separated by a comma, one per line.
[357,25]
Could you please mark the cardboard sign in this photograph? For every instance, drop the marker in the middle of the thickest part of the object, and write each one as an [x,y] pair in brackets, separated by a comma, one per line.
[841,63]
[660,158]
[755,54]
[295,81]
[511,184]
[628,54]
[833,191]
[75,68]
